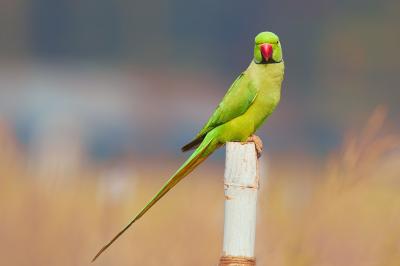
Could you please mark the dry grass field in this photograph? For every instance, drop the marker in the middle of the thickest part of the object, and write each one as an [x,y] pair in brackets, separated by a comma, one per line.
[341,211]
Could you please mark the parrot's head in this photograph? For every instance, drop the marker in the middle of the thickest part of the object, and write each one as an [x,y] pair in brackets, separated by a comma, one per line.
[267,48]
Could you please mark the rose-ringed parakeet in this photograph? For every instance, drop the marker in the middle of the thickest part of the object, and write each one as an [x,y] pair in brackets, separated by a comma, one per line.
[252,97]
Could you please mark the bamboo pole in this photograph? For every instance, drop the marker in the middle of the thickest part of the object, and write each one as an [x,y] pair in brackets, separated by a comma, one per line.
[241,184]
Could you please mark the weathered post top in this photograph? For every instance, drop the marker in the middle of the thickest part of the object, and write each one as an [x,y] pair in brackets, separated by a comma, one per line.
[241,184]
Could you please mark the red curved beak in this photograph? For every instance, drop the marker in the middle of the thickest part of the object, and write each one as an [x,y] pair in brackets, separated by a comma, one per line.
[266,51]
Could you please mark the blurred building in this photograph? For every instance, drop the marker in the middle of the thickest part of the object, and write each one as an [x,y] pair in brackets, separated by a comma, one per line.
[125,77]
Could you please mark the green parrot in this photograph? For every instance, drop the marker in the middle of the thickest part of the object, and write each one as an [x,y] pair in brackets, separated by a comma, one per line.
[252,97]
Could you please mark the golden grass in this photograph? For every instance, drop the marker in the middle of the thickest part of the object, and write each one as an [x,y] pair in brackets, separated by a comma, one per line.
[345,214]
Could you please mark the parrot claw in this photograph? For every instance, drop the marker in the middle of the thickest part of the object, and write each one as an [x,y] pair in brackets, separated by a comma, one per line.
[257,142]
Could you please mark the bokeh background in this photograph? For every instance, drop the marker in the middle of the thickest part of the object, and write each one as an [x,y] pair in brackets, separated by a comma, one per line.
[96,98]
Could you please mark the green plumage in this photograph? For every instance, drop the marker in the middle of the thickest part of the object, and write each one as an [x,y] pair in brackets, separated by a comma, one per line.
[249,101]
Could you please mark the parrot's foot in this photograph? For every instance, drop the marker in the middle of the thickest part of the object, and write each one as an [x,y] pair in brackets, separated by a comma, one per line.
[257,142]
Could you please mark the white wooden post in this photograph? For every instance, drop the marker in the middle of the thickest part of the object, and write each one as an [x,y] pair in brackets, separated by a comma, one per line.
[241,185]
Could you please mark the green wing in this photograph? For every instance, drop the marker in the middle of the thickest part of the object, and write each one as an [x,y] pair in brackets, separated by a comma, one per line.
[236,101]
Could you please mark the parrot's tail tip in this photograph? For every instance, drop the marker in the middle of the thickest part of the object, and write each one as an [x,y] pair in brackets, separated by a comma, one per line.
[98,254]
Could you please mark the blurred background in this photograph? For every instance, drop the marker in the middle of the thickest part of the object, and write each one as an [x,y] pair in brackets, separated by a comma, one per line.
[97,97]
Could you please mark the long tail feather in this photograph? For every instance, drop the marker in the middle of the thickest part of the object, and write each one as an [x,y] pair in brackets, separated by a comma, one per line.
[198,156]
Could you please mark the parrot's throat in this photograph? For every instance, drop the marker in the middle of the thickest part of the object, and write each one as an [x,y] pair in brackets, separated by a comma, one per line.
[270,61]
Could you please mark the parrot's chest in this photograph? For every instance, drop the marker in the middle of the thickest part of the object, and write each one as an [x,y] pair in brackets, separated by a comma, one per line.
[272,75]
[269,84]
[268,80]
